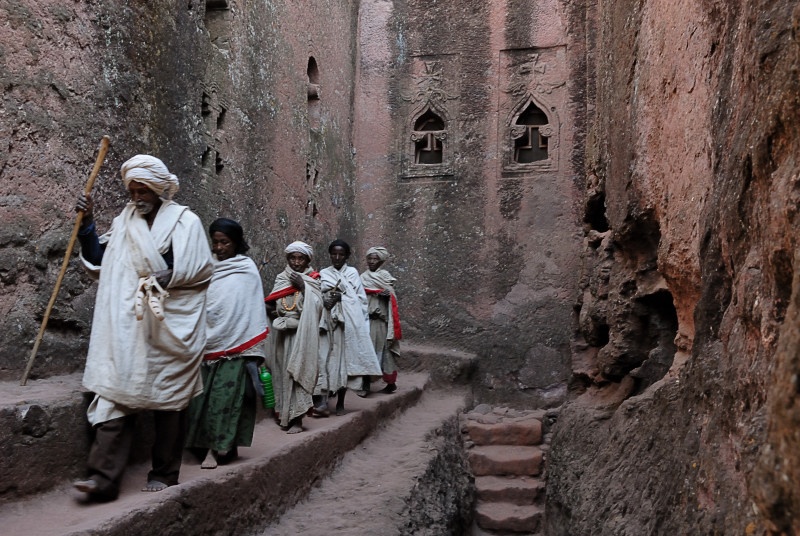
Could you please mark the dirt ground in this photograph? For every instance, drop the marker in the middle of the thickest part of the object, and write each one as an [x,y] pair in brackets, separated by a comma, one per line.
[366,493]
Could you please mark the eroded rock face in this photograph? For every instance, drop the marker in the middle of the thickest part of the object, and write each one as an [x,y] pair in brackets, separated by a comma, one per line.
[218,91]
[693,150]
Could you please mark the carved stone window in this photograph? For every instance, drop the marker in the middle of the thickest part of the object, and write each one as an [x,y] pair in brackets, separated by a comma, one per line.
[532,138]
[221,118]
[312,73]
[428,136]
[213,110]
[430,120]
[428,154]
[530,145]
[313,93]
[217,21]
[212,160]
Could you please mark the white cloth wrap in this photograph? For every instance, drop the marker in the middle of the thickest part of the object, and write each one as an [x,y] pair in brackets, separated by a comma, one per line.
[149,364]
[381,280]
[300,247]
[235,306]
[151,172]
[359,354]
[293,351]
[381,252]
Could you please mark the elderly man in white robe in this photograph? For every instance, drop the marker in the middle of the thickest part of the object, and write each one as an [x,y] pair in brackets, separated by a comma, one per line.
[148,331]
[351,361]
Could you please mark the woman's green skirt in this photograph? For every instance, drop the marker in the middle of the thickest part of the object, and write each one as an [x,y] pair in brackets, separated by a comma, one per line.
[224,415]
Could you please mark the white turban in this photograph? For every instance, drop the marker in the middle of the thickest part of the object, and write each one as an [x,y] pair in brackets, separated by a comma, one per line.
[381,252]
[151,172]
[300,247]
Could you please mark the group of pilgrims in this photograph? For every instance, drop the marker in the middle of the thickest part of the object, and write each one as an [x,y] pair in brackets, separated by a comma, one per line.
[326,332]
[186,332]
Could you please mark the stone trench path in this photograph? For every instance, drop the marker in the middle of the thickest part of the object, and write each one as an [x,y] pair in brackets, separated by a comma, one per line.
[367,492]
[260,489]
[359,474]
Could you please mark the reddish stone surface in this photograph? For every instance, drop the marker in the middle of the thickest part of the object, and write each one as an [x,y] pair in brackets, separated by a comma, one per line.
[525,432]
[508,517]
[514,490]
[689,307]
[652,270]
[505,460]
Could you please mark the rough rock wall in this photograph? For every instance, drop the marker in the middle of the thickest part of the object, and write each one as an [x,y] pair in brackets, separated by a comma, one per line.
[220,90]
[687,350]
[442,498]
[485,245]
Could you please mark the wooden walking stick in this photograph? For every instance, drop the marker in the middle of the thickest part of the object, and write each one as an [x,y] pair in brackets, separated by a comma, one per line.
[101,155]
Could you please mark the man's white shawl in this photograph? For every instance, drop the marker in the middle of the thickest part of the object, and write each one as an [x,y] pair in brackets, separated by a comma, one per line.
[235,306]
[150,364]
[381,280]
[302,365]
[352,312]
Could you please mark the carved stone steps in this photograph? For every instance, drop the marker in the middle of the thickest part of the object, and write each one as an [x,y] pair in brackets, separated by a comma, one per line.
[506,455]
[520,431]
[505,460]
[515,490]
[509,517]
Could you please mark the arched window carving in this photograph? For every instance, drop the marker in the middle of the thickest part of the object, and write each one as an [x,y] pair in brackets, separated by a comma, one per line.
[429,136]
[530,143]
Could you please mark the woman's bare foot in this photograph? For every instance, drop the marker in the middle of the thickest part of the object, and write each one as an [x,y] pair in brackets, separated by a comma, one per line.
[210,462]
[294,429]
[154,485]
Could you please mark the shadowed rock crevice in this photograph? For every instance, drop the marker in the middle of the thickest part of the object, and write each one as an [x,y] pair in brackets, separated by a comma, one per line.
[627,319]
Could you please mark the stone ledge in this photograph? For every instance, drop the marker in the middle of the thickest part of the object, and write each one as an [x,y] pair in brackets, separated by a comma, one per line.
[446,366]
[409,478]
[272,475]
[44,435]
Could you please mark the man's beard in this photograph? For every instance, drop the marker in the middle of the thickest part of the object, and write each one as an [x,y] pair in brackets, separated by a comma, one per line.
[144,208]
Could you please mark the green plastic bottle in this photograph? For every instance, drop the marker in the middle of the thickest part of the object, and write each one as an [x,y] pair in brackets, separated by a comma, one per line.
[269,394]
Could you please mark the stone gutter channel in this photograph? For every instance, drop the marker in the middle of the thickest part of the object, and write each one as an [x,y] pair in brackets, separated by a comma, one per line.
[44,439]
